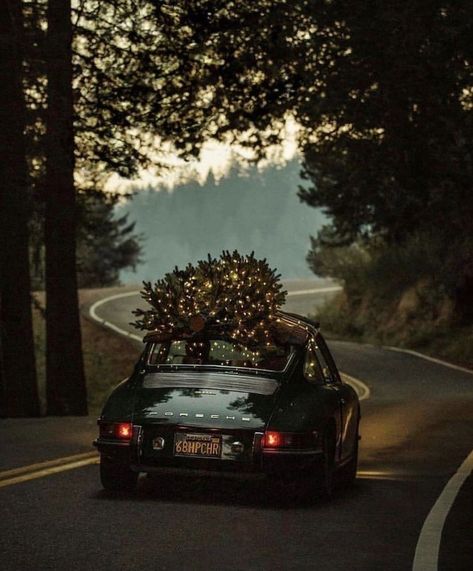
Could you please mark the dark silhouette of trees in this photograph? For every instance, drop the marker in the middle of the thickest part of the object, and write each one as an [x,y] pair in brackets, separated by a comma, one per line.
[18,390]
[383,93]
[236,69]
[259,211]
[395,158]
[88,91]
[105,244]
[65,379]
[103,128]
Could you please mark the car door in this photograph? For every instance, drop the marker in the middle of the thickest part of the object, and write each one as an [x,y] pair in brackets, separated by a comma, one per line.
[346,396]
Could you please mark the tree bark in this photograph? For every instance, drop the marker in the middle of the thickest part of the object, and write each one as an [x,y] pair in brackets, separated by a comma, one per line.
[65,380]
[18,384]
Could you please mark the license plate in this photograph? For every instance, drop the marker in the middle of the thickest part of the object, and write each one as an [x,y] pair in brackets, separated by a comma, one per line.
[197,445]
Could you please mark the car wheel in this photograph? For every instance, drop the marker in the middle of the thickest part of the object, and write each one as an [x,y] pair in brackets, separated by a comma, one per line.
[348,472]
[326,469]
[117,477]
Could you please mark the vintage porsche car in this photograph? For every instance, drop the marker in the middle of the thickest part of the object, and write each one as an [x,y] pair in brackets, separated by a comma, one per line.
[280,410]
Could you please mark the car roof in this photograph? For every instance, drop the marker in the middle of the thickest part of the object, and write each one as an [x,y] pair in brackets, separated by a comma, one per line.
[302,318]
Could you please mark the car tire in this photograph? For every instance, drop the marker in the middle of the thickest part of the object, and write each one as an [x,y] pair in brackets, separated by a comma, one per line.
[325,473]
[348,472]
[117,477]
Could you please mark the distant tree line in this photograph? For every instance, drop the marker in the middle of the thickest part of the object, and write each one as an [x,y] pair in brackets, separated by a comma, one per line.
[249,209]
[382,92]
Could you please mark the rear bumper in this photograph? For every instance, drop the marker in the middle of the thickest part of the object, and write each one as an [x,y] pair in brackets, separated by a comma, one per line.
[119,452]
[264,462]
[293,463]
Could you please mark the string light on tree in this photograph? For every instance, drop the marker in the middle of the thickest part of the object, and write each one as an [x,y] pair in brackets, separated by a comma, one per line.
[233,295]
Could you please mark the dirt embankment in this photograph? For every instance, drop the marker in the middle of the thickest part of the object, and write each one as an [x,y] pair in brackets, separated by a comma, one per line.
[416,318]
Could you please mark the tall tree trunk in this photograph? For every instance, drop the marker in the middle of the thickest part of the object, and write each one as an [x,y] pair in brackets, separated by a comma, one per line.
[18,390]
[3,379]
[65,380]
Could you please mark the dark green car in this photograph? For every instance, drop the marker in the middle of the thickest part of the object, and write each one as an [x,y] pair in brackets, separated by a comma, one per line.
[279,410]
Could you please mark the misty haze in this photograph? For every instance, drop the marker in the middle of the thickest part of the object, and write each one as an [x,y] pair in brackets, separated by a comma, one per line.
[250,210]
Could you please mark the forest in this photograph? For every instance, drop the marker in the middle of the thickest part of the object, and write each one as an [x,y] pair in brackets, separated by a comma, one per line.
[382,94]
[245,211]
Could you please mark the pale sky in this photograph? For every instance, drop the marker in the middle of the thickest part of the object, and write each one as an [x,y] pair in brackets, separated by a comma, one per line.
[216,158]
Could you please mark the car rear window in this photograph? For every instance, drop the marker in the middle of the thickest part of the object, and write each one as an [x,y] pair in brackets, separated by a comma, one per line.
[220,352]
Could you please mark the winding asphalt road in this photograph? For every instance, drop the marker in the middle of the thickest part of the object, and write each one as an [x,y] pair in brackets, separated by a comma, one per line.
[417,430]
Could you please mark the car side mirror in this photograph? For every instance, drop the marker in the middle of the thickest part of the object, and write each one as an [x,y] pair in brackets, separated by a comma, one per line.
[327,375]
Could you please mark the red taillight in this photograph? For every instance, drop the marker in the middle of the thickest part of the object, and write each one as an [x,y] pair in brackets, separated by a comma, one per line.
[297,440]
[124,430]
[272,439]
[116,430]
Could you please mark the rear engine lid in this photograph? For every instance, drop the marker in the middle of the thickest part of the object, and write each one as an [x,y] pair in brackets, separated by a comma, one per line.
[206,399]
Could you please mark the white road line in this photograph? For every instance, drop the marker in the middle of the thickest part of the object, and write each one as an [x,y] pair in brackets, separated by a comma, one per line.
[315,290]
[431,359]
[95,317]
[362,390]
[428,544]
[97,304]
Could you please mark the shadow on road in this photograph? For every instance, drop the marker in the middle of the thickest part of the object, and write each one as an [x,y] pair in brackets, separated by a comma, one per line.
[219,491]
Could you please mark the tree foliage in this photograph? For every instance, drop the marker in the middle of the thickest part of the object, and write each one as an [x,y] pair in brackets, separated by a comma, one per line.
[113,84]
[393,154]
[234,295]
[382,92]
[393,148]
[236,68]
[105,244]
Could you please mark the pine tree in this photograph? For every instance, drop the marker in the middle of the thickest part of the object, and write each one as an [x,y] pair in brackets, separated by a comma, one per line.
[106,243]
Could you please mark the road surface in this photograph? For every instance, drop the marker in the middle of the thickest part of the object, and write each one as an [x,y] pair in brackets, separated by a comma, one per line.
[417,430]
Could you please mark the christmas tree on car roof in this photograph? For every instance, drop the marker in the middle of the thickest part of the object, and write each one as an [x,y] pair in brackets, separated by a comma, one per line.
[233,296]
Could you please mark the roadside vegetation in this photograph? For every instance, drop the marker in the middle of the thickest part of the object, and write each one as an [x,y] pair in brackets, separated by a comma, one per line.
[106,243]
[395,295]
[108,359]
